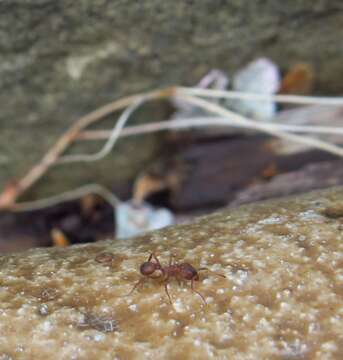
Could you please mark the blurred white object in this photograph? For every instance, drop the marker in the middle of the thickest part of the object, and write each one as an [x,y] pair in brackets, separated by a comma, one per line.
[132,219]
[214,79]
[261,77]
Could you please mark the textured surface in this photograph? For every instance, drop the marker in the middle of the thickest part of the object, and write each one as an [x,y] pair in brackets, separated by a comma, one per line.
[282,297]
[65,58]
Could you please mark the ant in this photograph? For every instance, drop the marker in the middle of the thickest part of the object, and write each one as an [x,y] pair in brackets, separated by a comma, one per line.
[180,271]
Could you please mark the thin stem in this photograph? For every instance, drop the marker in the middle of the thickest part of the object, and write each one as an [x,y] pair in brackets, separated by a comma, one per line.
[68,196]
[293,99]
[204,121]
[239,119]
[9,196]
[50,158]
[115,133]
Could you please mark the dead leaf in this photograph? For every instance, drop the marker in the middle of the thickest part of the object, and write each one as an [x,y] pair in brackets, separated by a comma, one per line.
[298,80]
[58,238]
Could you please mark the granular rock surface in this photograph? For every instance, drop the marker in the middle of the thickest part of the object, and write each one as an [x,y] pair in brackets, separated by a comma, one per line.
[282,297]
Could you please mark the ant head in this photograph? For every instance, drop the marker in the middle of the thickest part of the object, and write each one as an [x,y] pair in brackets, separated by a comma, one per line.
[148,268]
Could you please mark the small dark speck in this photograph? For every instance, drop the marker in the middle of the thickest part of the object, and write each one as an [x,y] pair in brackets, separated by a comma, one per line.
[104,258]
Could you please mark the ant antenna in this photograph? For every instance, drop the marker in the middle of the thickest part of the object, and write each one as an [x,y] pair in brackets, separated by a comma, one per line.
[167,292]
[212,272]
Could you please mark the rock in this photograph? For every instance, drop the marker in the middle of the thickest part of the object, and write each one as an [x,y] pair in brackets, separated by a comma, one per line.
[281,298]
[63,59]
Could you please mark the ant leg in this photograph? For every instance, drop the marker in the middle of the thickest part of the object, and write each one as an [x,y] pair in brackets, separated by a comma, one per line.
[171,257]
[166,289]
[167,292]
[135,287]
[210,271]
[197,292]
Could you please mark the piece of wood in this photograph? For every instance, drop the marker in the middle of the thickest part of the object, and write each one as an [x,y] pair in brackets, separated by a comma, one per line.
[216,169]
[310,177]
[211,171]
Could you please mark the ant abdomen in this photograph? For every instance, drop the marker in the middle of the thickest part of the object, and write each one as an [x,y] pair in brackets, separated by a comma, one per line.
[147,268]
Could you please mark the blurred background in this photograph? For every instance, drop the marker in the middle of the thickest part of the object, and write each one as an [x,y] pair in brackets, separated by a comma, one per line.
[60,60]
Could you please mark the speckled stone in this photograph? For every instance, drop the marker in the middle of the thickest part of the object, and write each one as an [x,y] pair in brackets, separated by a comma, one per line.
[282,297]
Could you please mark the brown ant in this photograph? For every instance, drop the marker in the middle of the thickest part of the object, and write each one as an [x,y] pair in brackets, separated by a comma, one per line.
[180,271]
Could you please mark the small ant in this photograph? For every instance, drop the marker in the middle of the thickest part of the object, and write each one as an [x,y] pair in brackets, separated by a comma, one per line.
[180,271]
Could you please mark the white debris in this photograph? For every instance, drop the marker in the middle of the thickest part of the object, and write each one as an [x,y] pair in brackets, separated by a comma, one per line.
[261,77]
[132,219]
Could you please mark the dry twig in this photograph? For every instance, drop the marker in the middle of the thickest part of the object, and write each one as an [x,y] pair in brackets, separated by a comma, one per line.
[202,121]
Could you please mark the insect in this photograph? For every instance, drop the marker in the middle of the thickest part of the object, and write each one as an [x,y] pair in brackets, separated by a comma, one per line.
[153,269]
